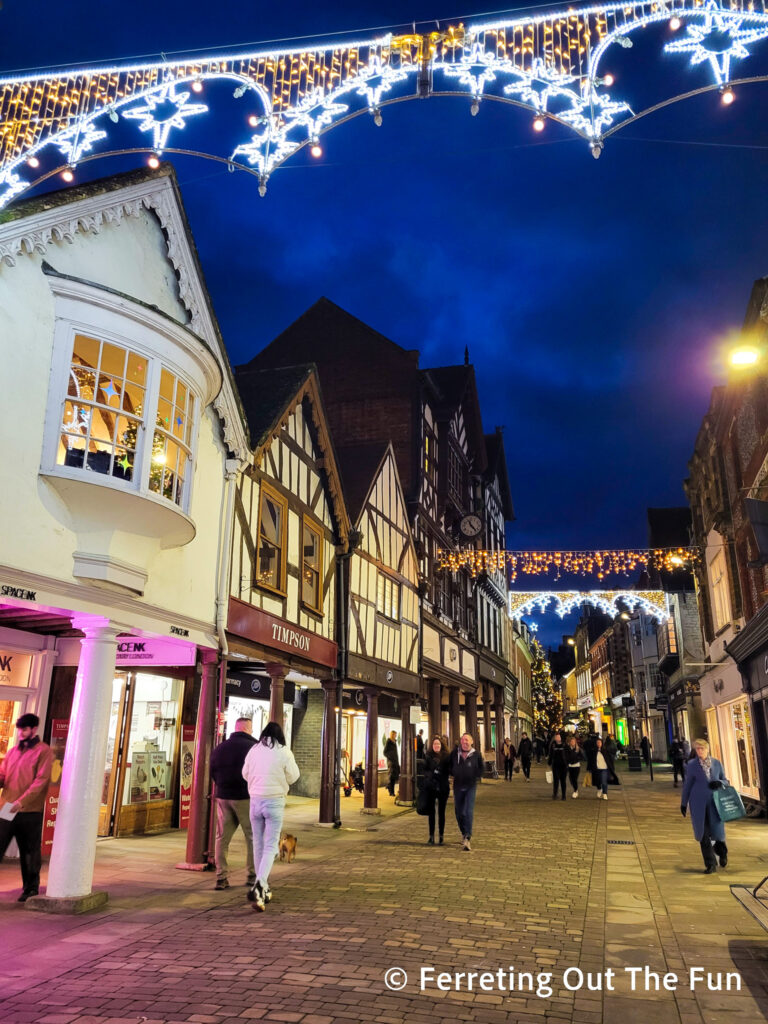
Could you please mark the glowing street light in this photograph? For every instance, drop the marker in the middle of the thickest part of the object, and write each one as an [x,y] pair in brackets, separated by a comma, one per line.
[744,356]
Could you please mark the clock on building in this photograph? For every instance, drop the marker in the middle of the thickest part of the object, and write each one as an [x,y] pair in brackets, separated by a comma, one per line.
[470,526]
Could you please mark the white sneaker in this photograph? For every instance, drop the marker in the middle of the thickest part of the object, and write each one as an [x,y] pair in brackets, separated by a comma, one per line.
[599,795]
[256,896]
[605,796]
[575,794]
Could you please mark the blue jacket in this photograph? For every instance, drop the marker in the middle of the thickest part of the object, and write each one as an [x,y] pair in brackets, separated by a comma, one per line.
[701,799]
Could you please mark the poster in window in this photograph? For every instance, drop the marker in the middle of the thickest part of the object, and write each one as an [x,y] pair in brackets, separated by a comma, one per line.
[59,730]
[157,775]
[185,775]
[139,776]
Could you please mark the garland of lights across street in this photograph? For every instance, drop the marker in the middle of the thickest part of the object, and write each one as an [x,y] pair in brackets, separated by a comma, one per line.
[562,66]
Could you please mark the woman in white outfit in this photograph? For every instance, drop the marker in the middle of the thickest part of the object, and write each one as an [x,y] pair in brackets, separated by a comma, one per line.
[269,769]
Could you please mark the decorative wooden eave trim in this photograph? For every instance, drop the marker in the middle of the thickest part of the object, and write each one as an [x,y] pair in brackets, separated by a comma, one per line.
[327,462]
[389,452]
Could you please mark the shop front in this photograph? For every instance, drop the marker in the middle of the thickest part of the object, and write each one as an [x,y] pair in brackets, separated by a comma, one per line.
[749,714]
[728,716]
[26,660]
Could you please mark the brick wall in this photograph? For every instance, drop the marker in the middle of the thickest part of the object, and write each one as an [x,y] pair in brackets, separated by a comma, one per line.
[307,734]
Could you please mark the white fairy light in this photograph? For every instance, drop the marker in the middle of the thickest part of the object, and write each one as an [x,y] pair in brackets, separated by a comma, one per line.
[706,41]
[78,141]
[161,127]
[652,603]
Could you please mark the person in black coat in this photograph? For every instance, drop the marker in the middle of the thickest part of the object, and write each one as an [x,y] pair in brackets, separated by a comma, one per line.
[573,759]
[525,753]
[556,761]
[436,784]
[393,761]
[677,756]
[233,804]
[467,770]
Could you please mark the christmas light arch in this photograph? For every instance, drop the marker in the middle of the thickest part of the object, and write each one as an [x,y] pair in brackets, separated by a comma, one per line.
[552,65]
[652,603]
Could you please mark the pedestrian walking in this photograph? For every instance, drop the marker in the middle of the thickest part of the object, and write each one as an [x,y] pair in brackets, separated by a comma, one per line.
[687,752]
[540,748]
[437,784]
[467,770]
[703,776]
[25,775]
[420,745]
[269,769]
[525,753]
[645,750]
[233,806]
[610,750]
[573,758]
[678,759]
[393,761]
[508,749]
[556,761]
[602,770]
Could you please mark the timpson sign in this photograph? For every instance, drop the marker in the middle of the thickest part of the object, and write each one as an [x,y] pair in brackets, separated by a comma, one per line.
[269,631]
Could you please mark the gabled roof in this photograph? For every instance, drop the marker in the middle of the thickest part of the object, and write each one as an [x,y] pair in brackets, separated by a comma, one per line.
[360,465]
[269,398]
[453,386]
[497,465]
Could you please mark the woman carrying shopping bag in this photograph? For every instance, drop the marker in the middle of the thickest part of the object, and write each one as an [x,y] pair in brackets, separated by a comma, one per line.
[704,776]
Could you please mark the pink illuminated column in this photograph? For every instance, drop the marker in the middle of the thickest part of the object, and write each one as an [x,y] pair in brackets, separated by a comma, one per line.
[77,817]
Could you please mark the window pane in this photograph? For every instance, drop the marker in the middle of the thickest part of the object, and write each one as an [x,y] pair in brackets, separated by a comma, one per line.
[190,420]
[311,547]
[158,462]
[109,392]
[113,360]
[99,458]
[164,412]
[82,383]
[133,399]
[269,564]
[137,369]
[86,351]
[167,385]
[270,520]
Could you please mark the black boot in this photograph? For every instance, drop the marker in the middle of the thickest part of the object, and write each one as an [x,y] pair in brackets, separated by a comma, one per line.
[431,841]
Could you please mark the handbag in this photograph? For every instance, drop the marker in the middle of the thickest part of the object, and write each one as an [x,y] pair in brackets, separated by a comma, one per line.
[549,776]
[587,777]
[517,764]
[729,804]
[422,801]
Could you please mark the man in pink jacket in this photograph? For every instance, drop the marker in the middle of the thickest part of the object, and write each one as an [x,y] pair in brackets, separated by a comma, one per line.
[24,777]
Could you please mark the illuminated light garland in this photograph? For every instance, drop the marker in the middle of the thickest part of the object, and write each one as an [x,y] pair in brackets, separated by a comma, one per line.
[549,64]
[569,563]
[652,603]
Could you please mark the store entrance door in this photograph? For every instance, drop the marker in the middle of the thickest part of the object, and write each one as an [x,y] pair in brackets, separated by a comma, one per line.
[13,703]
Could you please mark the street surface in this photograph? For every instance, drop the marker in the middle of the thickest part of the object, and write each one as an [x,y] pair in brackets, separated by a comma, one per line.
[550,887]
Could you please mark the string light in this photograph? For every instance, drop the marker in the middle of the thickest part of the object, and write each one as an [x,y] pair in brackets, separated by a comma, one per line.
[615,603]
[538,124]
[154,161]
[727,96]
[33,162]
[316,149]
[547,62]
[569,563]
[68,174]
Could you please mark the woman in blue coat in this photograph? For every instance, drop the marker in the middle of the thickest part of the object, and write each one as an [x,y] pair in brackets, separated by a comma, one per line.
[704,774]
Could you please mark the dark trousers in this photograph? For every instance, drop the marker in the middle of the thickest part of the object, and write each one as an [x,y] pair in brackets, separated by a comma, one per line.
[526,764]
[678,768]
[508,765]
[27,829]
[707,850]
[573,775]
[439,800]
[558,779]
[464,806]
[394,775]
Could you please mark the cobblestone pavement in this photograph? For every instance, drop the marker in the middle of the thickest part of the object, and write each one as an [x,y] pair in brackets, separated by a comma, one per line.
[549,887]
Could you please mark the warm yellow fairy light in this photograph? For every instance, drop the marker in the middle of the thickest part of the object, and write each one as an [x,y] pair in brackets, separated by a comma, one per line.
[564,563]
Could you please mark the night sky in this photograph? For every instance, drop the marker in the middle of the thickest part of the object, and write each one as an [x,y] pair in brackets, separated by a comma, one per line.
[593,295]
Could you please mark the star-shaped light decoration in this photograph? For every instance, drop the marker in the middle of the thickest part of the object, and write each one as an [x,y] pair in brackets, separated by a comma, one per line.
[10,185]
[78,141]
[477,68]
[315,112]
[109,390]
[539,85]
[124,464]
[269,146]
[720,38]
[594,112]
[377,78]
[162,102]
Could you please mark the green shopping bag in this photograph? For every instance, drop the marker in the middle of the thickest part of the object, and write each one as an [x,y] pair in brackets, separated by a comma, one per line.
[728,804]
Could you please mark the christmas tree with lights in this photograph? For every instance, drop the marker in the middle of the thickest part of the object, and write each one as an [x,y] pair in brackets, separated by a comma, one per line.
[547,702]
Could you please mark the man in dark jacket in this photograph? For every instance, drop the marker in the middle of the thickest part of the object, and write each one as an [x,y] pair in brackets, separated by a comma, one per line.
[677,754]
[233,804]
[393,761]
[466,769]
[525,752]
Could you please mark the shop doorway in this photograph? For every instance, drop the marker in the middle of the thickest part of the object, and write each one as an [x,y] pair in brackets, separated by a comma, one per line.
[141,768]
[13,703]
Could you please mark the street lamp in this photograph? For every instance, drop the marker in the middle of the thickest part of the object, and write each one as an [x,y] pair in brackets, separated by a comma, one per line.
[744,357]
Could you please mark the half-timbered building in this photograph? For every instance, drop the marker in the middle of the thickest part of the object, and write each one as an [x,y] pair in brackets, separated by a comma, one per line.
[289,519]
[382,638]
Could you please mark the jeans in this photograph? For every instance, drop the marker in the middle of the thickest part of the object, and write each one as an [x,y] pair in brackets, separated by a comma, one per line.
[27,828]
[526,765]
[464,806]
[558,779]
[600,777]
[437,799]
[266,822]
[230,814]
[573,775]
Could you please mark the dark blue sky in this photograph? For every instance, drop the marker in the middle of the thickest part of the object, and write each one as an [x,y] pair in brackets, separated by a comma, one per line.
[592,294]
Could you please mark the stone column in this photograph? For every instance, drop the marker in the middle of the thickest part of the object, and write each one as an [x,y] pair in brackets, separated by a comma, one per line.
[470,701]
[371,795]
[405,793]
[277,675]
[499,709]
[70,876]
[454,725]
[435,710]
[328,753]
[198,838]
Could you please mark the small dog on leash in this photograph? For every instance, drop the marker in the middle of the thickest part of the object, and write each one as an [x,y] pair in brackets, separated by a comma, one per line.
[288,844]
